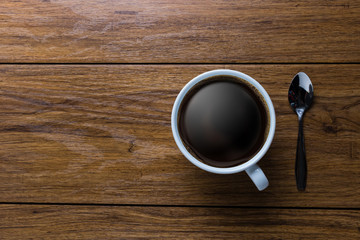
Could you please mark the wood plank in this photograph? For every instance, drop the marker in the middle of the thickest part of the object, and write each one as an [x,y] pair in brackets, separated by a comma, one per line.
[99,222]
[179,31]
[101,134]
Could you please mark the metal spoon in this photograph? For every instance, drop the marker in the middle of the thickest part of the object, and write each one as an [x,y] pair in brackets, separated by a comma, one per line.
[301,93]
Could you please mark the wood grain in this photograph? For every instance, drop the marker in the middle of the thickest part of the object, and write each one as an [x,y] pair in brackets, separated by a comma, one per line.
[96,222]
[101,134]
[179,31]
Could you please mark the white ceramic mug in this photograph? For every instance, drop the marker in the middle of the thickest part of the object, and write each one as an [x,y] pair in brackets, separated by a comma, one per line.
[251,168]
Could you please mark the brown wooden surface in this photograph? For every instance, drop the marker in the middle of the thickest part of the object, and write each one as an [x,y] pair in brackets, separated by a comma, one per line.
[86,149]
[101,134]
[96,222]
[179,31]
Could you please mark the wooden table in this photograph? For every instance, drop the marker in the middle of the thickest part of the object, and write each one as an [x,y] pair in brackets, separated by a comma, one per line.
[86,91]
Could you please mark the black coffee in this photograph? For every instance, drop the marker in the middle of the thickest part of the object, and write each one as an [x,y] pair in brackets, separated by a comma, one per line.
[222,121]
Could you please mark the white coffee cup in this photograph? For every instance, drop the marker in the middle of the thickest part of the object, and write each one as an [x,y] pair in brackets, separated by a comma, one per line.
[251,168]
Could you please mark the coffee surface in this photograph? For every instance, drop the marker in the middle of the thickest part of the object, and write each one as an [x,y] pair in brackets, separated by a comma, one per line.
[222,121]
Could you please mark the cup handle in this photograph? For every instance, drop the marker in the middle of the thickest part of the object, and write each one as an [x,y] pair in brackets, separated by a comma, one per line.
[258,177]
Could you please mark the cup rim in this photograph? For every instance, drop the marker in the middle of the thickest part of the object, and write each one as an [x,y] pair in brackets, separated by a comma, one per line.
[189,156]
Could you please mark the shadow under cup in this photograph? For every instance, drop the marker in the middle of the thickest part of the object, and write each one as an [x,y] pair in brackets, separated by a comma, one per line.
[223,121]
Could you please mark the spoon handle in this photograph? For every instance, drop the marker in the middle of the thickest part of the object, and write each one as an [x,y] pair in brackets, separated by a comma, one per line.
[300,164]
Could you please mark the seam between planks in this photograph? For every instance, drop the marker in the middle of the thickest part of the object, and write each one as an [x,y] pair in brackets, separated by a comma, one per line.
[184,63]
[172,206]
